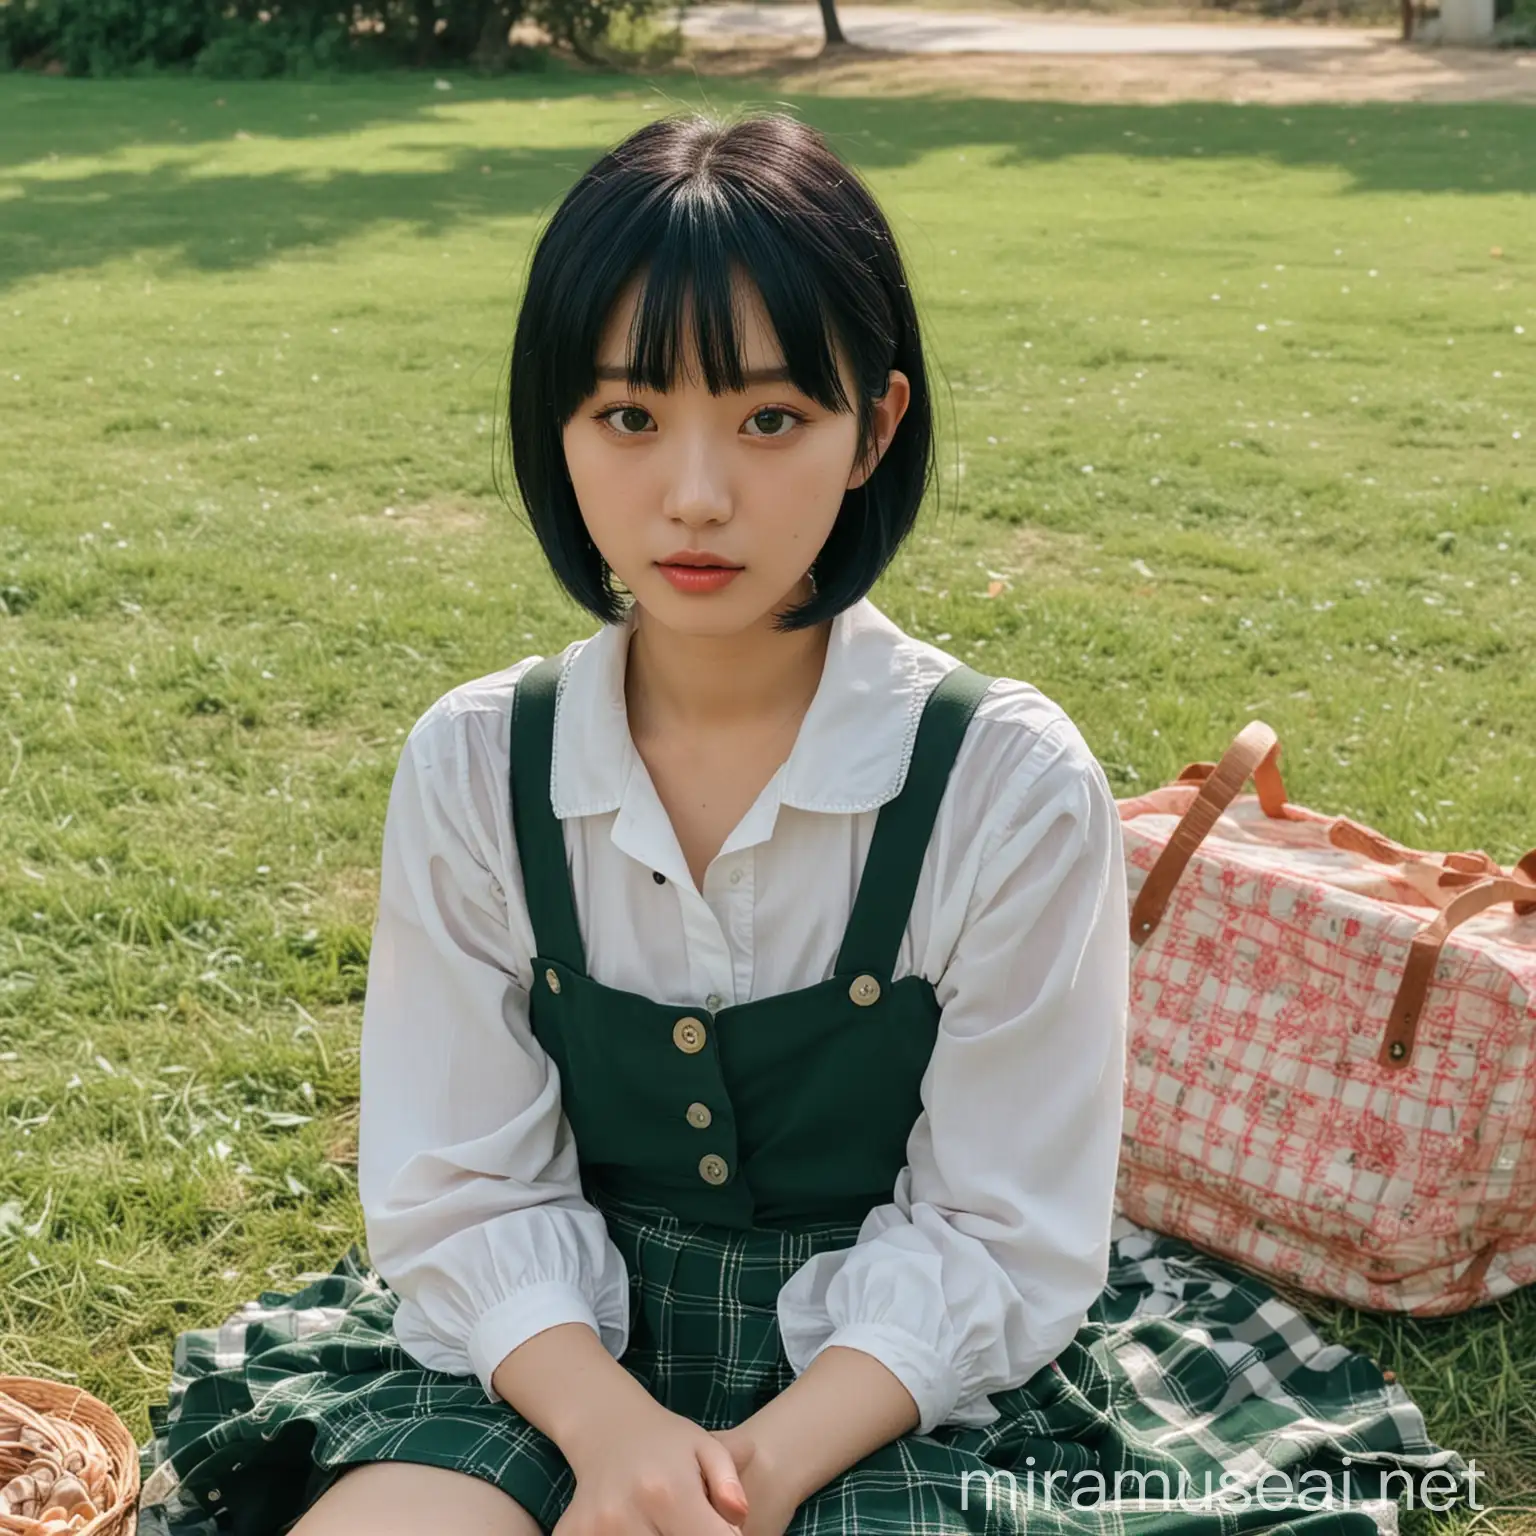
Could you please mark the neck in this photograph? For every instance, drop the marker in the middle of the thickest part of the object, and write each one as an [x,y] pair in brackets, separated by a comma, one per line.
[675,681]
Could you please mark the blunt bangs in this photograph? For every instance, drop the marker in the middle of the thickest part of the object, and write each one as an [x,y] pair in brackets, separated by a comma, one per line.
[689,205]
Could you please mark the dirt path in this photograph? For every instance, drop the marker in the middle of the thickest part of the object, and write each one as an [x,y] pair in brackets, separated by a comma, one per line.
[1334,65]
[904,29]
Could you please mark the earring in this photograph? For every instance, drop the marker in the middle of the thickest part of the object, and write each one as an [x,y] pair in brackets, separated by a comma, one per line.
[810,576]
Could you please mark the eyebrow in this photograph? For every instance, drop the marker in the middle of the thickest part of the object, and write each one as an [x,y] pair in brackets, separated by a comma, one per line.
[756,376]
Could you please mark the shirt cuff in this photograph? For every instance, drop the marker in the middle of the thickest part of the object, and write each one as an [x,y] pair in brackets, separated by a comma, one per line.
[935,1385]
[544,1304]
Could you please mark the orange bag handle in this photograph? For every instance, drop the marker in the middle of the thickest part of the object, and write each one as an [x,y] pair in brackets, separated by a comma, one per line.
[1453,870]
[1254,754]
[1403,1024]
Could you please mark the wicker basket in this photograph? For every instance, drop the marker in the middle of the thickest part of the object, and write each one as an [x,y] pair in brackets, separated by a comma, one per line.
[28,1395]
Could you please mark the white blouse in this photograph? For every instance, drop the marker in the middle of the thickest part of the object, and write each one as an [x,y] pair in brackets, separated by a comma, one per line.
[995,1241]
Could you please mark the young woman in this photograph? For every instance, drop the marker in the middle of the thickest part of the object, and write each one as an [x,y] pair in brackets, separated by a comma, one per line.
[744,1038]
[744,1035]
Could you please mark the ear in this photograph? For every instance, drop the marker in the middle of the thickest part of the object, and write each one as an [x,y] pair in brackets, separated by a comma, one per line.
[889,410]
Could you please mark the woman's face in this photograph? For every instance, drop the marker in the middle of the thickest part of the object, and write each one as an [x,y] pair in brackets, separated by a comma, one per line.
[751,481]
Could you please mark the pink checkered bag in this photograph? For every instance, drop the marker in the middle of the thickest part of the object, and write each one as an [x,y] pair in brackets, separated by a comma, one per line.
[1332,1058]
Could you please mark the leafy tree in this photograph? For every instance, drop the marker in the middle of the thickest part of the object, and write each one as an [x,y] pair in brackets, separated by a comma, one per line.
[249,38]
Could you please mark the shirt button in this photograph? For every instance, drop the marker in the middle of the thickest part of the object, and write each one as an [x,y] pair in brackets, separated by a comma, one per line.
[699,1115]
[735,877]
[713,1169]
[658,877]
[551,980]
[713,1002]
[688,1035]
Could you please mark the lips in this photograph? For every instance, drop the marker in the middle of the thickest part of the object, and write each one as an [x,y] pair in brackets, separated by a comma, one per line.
[693,571]
[700,558]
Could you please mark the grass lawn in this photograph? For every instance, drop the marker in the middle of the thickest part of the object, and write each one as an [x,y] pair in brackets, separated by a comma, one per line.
[1238,404]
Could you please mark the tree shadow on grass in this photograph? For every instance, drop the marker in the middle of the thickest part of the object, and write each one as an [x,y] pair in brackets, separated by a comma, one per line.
[235,223]
[185,211]
[1393,148]
[42,117]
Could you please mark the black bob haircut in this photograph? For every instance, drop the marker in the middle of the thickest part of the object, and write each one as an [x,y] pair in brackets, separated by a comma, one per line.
[687,201]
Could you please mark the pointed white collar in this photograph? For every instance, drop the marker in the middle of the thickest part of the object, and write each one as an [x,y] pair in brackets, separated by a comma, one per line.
[852,750]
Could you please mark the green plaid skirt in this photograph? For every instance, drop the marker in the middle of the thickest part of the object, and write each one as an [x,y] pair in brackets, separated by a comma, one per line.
[1193,1400]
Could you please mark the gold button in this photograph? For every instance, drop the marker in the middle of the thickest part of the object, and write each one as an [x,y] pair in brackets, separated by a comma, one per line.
[864,991]
[713,1169]
[688,1035]
[551,980]
[699,1115]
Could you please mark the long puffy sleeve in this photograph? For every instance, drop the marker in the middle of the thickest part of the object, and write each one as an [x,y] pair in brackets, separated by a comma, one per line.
[467,1168]
[984,1264]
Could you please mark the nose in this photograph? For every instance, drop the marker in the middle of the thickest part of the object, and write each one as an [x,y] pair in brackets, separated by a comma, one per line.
[698,489]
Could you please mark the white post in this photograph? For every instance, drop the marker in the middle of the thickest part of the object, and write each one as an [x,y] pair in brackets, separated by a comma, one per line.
[1466,21]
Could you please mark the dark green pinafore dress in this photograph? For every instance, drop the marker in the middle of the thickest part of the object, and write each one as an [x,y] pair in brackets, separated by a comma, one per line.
[768,1115]
[724,1150]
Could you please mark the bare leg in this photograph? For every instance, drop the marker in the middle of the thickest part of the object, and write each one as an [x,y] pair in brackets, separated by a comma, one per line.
[398,1498]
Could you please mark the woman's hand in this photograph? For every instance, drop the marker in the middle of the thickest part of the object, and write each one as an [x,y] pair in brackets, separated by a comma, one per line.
[641,1470]
[771,1498]
[640,1473]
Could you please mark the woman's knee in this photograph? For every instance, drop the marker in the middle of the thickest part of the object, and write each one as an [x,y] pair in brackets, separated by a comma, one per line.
[398,1498]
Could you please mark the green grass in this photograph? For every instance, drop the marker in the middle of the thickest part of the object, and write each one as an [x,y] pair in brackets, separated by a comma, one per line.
[1235,400]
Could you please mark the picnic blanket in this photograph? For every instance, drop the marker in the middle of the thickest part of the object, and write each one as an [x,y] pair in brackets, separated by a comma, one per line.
[1193,1400]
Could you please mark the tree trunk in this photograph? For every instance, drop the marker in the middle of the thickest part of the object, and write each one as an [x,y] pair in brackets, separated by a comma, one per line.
[493,46]
[830,23]
[426,33]
[1407,8]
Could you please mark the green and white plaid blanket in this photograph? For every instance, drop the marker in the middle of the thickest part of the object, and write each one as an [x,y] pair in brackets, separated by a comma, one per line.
[1192,1401]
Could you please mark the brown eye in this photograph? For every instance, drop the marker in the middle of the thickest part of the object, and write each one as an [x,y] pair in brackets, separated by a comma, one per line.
[775,417]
